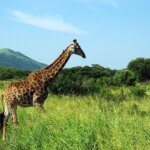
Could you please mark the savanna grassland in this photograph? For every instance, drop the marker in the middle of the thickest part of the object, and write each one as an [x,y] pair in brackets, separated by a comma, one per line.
[115,120]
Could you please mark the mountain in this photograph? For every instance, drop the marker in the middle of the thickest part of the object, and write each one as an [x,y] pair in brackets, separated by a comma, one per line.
[18,60]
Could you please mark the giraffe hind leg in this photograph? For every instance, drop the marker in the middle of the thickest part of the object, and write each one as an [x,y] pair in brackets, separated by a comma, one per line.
[6,115]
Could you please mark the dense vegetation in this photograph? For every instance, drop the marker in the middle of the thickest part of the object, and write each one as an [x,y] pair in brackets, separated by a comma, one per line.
[12,73]
[90,80]
[98,108]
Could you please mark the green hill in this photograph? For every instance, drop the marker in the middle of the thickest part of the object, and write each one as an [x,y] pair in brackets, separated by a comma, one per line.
[18,60]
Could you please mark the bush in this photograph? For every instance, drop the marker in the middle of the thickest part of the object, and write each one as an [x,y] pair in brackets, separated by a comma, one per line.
[81,80]
[103,81]
[124,77]
[138,91]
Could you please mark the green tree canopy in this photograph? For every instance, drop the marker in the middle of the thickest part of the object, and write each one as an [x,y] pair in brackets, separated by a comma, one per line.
[9,73]
[141,68]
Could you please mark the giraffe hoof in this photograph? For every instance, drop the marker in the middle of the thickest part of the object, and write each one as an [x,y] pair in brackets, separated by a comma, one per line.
[15,124]
[3,139]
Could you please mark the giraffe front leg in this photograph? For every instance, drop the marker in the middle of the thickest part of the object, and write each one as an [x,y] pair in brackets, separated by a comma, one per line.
[38,100]
[13,114]
[14,118]
[39,107]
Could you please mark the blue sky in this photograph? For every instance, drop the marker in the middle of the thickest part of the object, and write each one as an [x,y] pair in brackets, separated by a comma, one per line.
[111,32]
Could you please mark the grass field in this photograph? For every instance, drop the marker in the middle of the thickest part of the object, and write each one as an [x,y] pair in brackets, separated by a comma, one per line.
[82,123]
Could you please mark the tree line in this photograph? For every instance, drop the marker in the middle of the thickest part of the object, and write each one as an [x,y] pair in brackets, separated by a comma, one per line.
[89,79]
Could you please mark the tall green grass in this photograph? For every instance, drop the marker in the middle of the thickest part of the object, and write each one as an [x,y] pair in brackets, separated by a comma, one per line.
[81,123]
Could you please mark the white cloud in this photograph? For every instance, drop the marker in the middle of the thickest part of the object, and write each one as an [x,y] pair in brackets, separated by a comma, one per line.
[50,23]
[113,3]
[92,3]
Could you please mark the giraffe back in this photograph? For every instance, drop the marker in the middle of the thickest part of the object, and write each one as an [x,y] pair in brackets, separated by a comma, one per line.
[20,93]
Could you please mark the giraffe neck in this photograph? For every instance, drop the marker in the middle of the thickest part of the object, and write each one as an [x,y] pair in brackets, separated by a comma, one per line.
[53,69]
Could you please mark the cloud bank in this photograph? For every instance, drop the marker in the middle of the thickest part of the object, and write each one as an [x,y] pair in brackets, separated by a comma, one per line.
[50,23]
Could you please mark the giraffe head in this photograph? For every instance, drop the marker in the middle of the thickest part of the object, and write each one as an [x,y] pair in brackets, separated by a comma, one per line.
[76,49]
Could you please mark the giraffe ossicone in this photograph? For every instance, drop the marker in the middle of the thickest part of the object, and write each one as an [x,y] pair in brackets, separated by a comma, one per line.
[33,90]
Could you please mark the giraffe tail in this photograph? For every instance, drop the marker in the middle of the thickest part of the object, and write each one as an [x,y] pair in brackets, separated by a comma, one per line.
[1,120]
[1,116]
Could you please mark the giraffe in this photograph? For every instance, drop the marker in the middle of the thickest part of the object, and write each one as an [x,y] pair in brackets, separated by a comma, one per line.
[33,90]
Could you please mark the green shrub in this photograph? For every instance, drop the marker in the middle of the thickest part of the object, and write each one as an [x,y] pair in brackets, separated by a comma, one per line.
[124,77]
[138,91]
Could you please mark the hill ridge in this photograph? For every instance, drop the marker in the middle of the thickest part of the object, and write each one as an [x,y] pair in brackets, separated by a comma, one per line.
[18,60]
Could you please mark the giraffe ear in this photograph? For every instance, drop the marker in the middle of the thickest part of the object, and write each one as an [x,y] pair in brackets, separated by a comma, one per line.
[74,41]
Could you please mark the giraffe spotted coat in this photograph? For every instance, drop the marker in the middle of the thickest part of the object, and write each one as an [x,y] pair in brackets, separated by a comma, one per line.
[33,91]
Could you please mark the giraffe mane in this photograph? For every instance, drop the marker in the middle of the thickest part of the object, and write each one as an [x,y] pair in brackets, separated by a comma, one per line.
[57,58]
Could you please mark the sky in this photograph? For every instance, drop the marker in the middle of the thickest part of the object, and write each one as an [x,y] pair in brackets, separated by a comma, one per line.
[111,32]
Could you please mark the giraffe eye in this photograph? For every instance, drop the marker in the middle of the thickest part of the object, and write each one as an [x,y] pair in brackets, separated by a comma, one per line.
[77,46]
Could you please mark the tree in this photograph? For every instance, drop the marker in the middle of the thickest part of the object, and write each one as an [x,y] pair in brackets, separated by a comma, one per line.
[141,68]
[9,73]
